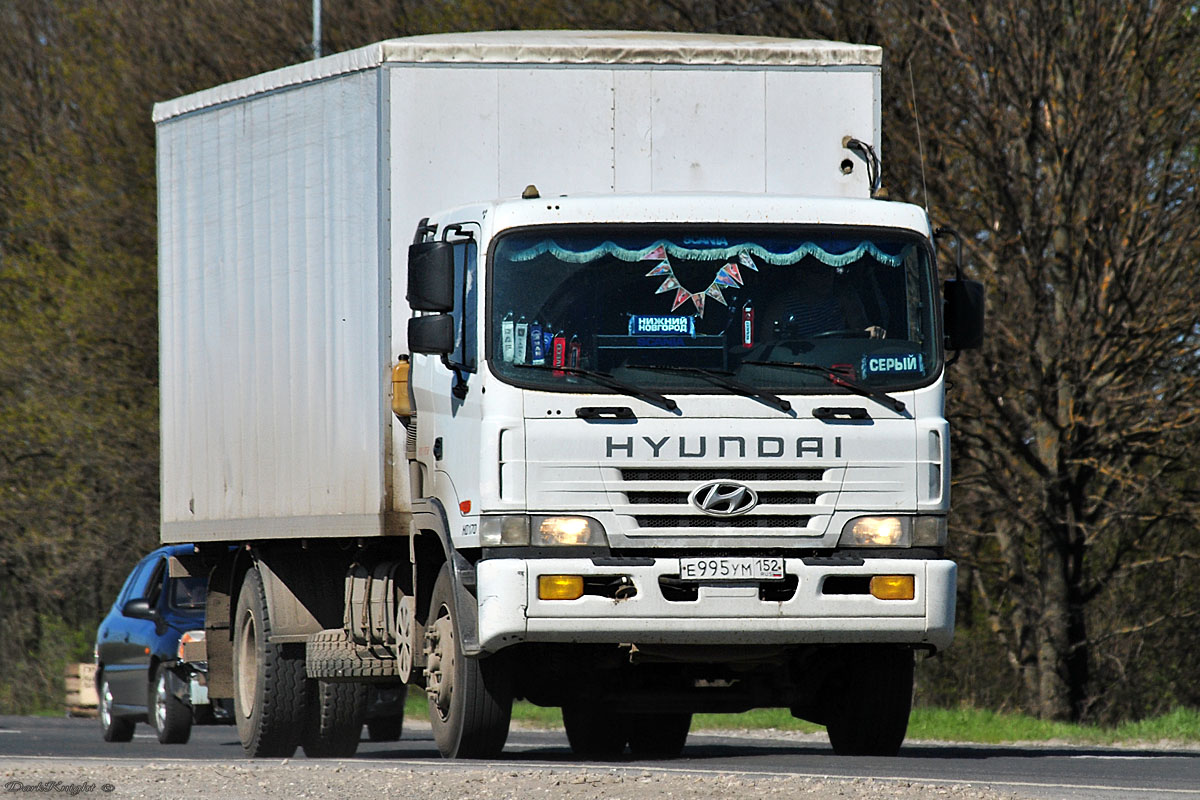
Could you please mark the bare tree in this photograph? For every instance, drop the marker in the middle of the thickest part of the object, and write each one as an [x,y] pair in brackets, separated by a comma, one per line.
[1062,138]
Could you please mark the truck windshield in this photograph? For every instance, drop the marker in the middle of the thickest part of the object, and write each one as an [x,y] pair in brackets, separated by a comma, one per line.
[658,307]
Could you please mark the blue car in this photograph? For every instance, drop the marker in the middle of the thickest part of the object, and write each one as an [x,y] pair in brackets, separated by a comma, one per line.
[150,657]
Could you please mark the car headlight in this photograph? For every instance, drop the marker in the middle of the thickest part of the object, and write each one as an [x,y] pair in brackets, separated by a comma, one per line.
[894,531]
[516,530]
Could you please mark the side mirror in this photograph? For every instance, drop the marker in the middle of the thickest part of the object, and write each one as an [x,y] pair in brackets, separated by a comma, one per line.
[139,609]
[432,335]
[431,276]
[964,314]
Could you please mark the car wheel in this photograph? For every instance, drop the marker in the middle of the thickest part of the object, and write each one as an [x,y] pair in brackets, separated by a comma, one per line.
[335,719]
[116,729]
[658,735]
[594,731]
[385,729]
[171,717]
[269,684]
[470,699]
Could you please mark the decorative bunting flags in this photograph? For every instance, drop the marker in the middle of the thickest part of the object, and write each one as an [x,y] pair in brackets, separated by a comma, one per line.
[724,278]
[728,275]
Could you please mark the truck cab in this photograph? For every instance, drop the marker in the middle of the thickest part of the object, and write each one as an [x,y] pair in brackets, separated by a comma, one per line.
[658,425]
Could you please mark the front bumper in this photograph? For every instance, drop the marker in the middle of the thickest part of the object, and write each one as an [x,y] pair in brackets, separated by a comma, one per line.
[511,612]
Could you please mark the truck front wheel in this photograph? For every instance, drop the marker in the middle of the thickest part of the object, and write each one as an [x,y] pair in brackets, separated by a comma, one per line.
[470,699]
[867,708]
[268,680]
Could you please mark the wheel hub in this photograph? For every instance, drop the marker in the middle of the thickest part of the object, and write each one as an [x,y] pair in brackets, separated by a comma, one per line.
[439,674]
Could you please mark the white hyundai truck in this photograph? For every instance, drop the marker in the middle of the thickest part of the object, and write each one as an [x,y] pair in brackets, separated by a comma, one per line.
[579,367]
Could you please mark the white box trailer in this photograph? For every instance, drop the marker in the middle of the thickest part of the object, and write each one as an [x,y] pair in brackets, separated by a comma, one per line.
[287,202]
[632,509]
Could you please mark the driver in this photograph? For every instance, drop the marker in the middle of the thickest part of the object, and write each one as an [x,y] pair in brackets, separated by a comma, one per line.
[820,303]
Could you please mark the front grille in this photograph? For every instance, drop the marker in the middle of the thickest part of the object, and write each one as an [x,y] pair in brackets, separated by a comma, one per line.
[679,498]
[702,475]
[657,499]
[698,521]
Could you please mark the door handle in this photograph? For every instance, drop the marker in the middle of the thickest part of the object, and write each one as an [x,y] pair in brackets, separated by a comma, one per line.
[605,412]
[849,412]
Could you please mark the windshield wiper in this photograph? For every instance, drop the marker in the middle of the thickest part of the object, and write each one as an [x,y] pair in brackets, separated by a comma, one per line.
[837,379]
[723,379]
[604,379]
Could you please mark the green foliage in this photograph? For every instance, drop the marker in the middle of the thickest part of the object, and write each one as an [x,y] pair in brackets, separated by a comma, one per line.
[36,682]
[1060,138]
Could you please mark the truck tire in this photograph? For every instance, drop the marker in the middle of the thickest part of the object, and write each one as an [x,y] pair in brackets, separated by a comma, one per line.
[593,731]
[470,699]
[268,680]
[385,729]
[335,719]
[658,735]
[170,716]
[867,714]
[116,729]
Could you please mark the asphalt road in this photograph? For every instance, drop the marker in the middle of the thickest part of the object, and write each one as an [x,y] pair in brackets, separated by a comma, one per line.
[1024,771]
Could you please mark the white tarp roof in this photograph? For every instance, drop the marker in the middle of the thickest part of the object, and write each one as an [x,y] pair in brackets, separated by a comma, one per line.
[544,47]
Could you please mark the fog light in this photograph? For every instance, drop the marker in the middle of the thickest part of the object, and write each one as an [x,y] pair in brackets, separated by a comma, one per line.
[894,587]
[560,587]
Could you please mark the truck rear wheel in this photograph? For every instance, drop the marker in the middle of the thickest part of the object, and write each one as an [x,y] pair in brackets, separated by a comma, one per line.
[869,707]
[385,729]
[470,699]
[335,719]
[268,680]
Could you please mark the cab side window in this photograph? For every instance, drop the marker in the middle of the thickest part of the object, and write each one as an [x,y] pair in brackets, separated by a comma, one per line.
[466,255]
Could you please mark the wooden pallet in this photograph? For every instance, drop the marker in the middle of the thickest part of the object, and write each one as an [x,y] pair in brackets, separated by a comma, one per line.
[82,700]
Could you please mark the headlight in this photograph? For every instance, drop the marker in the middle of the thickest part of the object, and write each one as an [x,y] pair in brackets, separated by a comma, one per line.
[558,531]
[894,531]
[516,530]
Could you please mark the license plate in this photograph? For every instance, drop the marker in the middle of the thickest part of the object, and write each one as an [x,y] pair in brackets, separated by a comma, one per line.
[731,569]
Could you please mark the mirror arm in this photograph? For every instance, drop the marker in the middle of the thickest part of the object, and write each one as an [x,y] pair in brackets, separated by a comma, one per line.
[958,251]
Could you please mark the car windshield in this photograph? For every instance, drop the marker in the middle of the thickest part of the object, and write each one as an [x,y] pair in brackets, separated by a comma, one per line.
[189,594]
[672,309]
